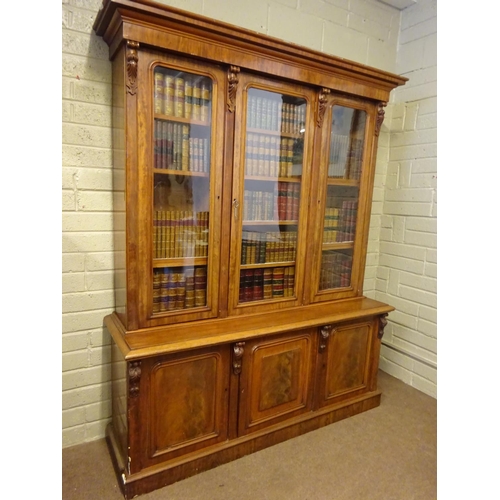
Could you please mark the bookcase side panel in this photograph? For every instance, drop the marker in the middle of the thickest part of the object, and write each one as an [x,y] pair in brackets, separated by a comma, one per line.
[119,186]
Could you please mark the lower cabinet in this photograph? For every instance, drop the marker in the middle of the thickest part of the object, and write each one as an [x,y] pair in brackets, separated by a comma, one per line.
[185,404]
[345,361]
[193,410]
[276,379]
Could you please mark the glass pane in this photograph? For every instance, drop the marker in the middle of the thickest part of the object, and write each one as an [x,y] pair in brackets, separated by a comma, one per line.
[270,211]
[181,189]
[336,268]
[346,143]
[339,230]
[340,214]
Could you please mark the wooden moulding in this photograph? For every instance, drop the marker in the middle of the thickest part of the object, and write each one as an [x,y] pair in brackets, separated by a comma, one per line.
[188,465]
[173,338]
[175,30]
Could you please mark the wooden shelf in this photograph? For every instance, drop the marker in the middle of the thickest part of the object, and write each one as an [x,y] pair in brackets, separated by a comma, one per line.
[179,119]
[296,179]
[338,246]
[332,181]
[268,264]
[189,173]
[270,222]
[180,262]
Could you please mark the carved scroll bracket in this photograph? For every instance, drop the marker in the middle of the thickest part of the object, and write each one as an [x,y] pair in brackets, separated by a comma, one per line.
[232,77]
[132,59]
[238,350]
[322,102]
[381,325]
[324,333]
[380,117]
[134,378]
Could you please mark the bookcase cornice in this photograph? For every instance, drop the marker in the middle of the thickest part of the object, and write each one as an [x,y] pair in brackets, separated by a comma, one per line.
[172,29]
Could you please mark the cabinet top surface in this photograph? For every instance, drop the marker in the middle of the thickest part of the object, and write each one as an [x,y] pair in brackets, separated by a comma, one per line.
[149,16]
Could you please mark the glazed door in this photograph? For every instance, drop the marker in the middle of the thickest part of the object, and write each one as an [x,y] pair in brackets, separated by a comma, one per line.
[341,198]
[183,155]
[271,177]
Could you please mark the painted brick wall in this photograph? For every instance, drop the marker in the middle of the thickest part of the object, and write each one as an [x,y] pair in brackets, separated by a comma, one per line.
[87,261]
[362,30]
[406,274]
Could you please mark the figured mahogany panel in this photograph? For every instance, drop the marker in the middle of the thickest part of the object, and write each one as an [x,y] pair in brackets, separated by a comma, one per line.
[345,362]
[275,380]
[187,403]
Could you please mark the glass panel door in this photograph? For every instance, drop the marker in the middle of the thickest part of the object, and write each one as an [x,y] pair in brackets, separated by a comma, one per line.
[344,168]
[181,189]
[273,169]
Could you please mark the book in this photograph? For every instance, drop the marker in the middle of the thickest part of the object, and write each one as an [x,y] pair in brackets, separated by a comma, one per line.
[158,92]
[179,96]
[188,97]
[189,300]
[205,100]
[267,283]
[278,282]
[168,95]
[200,286]
[258,284]
[156,291]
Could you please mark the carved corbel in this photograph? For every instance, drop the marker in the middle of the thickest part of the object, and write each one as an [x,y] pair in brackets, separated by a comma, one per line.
[232,77]
[134,378]
[324,333]
[322,102]
[132,59]
[380,117]
[238,350]
[382,322]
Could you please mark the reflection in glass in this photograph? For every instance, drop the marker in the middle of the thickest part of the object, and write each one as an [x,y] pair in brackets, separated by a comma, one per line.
[346,143]
[336,266]
[340,214]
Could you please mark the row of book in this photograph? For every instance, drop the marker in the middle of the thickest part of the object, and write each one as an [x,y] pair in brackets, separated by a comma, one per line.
[340,222]
[270,156]
[179,233]
[272,246]
[267,283]
[183,96]
[181,288]
[271,114]
[335,271]
[175,149]
[280,204]
[346,157]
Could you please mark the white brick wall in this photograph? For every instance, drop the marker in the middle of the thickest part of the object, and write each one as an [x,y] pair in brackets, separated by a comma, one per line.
[406,276]
[87,262]
[362,30]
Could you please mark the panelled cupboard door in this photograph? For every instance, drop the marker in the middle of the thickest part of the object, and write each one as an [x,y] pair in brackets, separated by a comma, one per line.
[183,123]
[272,160]
[344,361]
[341,200]
[185,403]
[276,379]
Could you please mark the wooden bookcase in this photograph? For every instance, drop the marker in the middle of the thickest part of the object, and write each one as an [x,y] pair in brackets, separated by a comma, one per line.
[243,178]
